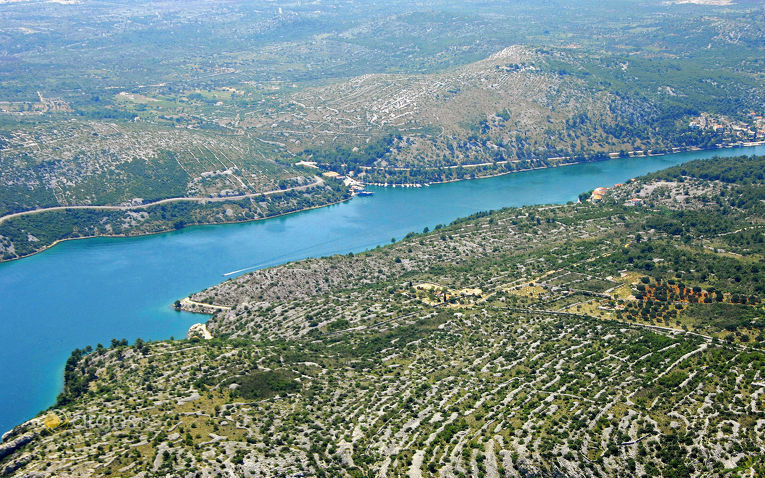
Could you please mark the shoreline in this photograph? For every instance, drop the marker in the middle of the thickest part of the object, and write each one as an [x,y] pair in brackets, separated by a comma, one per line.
[505,173]
[169,305]
[630,155]
[165,231]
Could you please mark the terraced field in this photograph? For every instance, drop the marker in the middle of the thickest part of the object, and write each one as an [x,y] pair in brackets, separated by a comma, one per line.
[593,339]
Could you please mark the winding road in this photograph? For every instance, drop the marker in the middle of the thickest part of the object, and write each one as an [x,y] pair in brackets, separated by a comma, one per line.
[317,182]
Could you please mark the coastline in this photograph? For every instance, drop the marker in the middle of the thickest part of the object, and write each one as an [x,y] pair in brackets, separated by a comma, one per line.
[166,303]
[488,176]
[630,155]
[165,231]
[504,173]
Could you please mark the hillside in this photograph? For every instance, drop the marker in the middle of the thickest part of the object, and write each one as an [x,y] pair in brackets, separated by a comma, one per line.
[110,112]
[620,336]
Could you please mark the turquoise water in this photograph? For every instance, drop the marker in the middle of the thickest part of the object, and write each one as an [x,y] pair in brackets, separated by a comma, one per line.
[89,291]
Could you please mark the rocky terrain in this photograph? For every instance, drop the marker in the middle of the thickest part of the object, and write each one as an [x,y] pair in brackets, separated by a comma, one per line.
[140,103]
[607,338]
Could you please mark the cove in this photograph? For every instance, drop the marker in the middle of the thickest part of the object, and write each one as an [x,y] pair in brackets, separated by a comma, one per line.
[89,291]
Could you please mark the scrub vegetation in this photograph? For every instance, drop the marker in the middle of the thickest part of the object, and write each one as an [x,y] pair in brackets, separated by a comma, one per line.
[617,337]
[123,105]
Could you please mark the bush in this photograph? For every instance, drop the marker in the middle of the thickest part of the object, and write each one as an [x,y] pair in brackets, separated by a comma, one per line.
[259,385]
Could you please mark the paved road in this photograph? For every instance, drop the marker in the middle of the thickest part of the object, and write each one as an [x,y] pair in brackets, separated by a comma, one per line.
[317,182]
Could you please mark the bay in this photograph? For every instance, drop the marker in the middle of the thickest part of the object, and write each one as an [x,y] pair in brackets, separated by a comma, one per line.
[89,291]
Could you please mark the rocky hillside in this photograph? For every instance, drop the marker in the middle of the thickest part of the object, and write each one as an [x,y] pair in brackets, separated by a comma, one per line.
[110,108]
[621,336]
